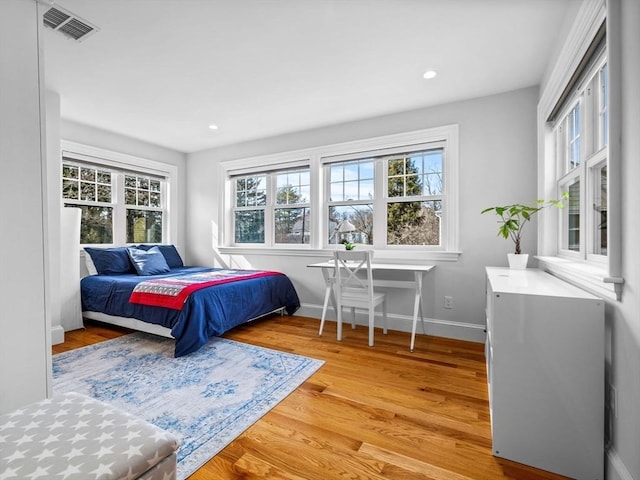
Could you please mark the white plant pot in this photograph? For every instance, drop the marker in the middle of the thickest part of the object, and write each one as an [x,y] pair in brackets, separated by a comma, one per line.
[518,261]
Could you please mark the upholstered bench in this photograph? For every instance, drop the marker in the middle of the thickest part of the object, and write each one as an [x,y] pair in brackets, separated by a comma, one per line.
[74,437]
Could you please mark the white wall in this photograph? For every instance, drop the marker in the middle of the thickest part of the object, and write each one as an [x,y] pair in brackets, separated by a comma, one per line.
[25,353]
[54,191]
[497,165]
[623,318]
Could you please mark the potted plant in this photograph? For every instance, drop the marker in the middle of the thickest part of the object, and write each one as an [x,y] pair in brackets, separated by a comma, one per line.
[512,220]
[348,245]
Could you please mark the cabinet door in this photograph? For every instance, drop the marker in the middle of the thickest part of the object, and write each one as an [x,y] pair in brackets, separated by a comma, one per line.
[547,382]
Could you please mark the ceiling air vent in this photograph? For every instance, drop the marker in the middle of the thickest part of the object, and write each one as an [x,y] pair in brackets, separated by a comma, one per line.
[66,22]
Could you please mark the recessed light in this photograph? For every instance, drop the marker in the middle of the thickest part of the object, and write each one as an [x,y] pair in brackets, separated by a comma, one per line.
[213,127]
[429,74]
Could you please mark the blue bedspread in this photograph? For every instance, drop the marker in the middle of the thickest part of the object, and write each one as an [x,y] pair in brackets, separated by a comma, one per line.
[208,312]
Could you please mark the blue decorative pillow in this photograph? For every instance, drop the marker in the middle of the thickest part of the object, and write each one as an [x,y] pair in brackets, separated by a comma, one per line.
[170,253]
[110,261]
[148,262]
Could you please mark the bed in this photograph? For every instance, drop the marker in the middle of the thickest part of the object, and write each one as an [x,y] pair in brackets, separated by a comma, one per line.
[117,291]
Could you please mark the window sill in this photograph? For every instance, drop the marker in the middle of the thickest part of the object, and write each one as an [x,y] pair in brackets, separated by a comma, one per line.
[590,277]
[384,255]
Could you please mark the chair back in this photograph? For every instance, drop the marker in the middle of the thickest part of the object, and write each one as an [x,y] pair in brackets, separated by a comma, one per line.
[353,272]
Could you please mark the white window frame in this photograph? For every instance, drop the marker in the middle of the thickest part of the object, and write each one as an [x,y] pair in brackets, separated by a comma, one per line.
[134,165]
[268,209]
[591,155]
[315,158]
[381,198]
[584,270]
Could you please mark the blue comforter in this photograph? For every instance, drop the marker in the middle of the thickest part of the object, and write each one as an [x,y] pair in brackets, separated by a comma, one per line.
[208,312]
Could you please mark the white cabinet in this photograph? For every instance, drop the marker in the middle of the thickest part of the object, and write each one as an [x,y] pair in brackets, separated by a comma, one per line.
[545,365]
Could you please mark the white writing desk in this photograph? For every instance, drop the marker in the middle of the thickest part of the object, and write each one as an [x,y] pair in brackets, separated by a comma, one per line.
[419,272]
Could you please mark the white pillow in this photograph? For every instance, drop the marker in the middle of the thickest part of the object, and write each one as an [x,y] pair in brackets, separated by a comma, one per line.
[89,263]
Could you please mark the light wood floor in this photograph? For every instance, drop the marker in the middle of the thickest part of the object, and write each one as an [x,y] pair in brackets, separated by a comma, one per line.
[368,413]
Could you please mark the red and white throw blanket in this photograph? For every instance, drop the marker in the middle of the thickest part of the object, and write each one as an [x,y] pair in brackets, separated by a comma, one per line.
[172,292]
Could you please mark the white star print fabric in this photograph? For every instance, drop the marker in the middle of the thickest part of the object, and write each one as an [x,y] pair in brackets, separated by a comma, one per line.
[74,437]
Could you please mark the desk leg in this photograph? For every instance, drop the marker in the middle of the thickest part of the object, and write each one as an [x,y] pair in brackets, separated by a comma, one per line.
[417,307]
[329,280]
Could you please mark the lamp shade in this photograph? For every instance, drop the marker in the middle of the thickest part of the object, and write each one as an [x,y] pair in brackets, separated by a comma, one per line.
[346,226]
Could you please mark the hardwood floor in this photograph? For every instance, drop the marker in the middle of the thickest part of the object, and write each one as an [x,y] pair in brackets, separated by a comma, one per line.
[368,413]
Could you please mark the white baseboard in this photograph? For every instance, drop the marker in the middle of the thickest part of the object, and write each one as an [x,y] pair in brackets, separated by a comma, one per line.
[57,335]
[403,323]
[616,469]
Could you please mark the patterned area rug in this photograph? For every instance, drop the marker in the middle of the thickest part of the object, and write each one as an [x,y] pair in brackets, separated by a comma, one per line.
[206,398]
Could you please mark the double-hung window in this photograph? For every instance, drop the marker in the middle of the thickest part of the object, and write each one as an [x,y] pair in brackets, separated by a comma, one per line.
[581,105]
[272,208]
[581,140]
[91,189]
[395,193]
[387,200]
[119,205]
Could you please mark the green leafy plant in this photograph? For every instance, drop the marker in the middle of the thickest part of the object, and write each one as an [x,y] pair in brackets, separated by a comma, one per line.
[514,217]
[348,245]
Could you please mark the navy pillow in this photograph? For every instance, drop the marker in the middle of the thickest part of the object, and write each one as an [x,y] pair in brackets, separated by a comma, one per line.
[170,253]
[148,262]
[110,261]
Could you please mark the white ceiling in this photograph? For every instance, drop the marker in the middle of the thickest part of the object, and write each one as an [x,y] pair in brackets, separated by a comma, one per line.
[163,70]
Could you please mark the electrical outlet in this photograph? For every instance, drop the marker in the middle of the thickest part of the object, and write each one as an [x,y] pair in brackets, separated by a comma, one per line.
[613,401]
[448,302]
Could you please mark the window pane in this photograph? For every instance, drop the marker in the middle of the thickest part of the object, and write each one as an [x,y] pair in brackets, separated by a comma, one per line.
[154,199]
[414,223]
[87,191]
[96,225]
[104,177]
[104,193]
[573,217]
[130,181]
[366,170]
[88,174]
[350,171]
[415,174]
[292,225]
[366,190]
[604,106]
[142,191]
[432,167]
[600,212]
[337,192]
[291,187]
[353,223]
[143,198]
[144,226]
[249,226]
[70,189]
[574,137]
[69,171]
[352,181]
[251,191]
[403,180]
[432,184]
[130,196]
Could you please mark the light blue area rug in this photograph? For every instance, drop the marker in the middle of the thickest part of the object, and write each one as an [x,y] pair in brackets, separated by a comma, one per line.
[206,398]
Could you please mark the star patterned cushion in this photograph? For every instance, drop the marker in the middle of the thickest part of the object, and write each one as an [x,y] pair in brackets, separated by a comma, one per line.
[74,437]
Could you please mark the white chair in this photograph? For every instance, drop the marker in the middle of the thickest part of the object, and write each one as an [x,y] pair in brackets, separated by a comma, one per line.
[353,285]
